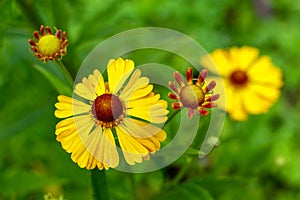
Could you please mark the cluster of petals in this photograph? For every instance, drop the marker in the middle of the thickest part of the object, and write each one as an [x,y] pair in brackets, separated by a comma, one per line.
[95,135]
[252,82]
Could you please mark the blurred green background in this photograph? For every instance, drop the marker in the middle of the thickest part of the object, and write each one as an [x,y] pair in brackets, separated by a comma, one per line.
[256,159]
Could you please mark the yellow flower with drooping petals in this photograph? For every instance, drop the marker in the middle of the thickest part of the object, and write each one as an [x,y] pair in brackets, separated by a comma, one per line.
[252,82]
[121,112]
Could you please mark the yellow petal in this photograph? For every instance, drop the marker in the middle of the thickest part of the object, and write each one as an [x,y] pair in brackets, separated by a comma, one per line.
[83,158]
[259,99]
[132,81]
[225,61]
[230,100]
[265,91]
[93,141]
[78,153]
[100,165]
[161,136]
[243,57]
[131,88]
[254,104]
[146,134]
[65,126]
[92,162]
[84,91]
[154,113]
[132,150]
[142,92]
[74,129]
[110,155]
[90,87]
[81,146]
[265,73]
[84,125]
[218,62]
[97,82]
[102,147]
[67,107]
[139,129]
[66,133]
[236,110]
[163,104]
[151,144]
[148,101]
[118,71]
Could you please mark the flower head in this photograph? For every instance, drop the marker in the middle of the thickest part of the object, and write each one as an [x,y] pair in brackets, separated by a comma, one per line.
[196,96]
[47,46]
[122,111]
[252,82]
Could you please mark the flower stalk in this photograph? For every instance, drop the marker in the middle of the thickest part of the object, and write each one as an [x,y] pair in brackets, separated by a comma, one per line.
[65,72]
[183,170]
[99,184]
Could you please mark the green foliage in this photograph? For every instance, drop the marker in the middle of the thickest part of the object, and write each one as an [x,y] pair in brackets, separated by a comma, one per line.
[188,190]
[256,159]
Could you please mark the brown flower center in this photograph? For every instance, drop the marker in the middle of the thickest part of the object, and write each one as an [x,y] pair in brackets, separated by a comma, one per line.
[191,96]
[109,110]
[238,78]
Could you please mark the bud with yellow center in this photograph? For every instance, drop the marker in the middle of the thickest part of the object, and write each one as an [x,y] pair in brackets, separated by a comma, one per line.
[198,96]
[191,96]
[49,46]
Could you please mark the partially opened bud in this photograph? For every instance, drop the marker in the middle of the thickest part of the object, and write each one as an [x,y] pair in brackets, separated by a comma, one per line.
[47,46]
[195,97]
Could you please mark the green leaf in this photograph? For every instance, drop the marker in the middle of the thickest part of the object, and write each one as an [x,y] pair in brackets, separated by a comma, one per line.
[228,187]
[189,190]
[18,181]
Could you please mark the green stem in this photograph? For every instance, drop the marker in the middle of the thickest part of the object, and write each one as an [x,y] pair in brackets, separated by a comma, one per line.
[181,173]
[99,184]
[66,72]
[133,186]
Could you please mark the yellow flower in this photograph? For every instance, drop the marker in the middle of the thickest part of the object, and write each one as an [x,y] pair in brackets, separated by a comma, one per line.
[49,46]
[197,96]
[252,82]
[122,111]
